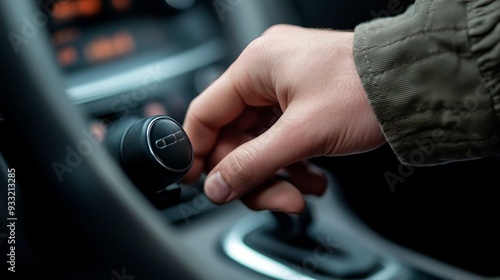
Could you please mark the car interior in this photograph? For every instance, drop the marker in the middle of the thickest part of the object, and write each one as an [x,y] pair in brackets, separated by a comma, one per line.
[84,80]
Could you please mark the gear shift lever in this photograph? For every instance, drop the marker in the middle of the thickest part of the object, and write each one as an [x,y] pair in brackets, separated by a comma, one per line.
[291,227]
[293,240]
[154,152]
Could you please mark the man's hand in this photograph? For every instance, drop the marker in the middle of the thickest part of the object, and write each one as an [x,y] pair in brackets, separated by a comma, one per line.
[293,94]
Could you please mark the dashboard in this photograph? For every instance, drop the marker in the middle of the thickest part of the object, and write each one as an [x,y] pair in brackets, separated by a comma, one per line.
[78,45]
[118,55]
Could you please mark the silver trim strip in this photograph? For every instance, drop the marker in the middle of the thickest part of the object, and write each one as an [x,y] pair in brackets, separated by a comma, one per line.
[148,138]
[234,246]
[164,69]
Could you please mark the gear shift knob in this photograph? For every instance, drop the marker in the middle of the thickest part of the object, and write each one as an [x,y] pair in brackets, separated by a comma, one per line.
[154,152]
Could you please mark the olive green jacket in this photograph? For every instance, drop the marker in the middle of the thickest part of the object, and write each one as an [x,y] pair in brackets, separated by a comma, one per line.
[432,76]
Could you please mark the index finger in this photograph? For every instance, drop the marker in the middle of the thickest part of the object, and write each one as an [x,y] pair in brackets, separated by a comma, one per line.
[219,105]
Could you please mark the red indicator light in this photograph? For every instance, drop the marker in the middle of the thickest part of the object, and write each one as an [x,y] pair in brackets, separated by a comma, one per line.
[78,8]
[67,56]
[121,5]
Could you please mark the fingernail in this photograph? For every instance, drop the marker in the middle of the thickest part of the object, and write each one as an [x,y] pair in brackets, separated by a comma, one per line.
[216,188]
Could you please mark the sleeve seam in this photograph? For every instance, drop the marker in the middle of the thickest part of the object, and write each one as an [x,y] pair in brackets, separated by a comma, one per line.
[367,60]
[471,142]
[418,33]
[391,120]
[428,14]
[415,60]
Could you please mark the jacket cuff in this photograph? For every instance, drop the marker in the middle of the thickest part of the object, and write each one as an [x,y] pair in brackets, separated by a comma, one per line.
[434,93]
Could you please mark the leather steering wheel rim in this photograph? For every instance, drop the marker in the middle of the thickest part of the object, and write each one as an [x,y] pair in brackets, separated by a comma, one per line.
[96,192]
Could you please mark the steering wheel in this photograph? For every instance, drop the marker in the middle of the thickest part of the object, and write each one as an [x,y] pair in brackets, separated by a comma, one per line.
[96,193]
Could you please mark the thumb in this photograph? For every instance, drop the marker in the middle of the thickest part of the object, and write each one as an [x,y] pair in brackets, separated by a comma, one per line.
[257,160]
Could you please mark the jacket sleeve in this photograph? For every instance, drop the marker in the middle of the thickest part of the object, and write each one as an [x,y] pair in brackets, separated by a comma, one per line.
[432,76]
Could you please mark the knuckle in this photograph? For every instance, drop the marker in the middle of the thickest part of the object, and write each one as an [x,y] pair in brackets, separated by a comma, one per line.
[241,167]
[263,51]
[192,107]
[260,47]
[276,29]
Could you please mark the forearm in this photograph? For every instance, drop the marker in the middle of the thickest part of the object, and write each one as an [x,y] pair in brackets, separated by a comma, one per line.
[432,77]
